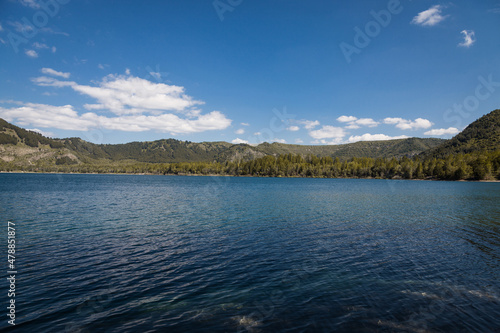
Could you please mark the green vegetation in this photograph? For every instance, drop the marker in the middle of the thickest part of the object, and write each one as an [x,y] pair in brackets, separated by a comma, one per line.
[6,139]
[473,166]
[29,138]
[473,154]
[170,150]
[373,149]
[482,134]
[65,160]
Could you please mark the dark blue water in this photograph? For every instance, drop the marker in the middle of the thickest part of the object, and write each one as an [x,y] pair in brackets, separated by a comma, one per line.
[120,253]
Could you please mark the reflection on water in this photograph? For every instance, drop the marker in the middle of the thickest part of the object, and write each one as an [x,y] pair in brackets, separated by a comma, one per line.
[118,253]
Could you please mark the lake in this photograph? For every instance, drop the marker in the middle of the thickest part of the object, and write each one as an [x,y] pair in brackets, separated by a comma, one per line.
[129,253]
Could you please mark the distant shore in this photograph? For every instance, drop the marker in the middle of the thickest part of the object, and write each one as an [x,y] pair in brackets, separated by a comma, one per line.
[246,176]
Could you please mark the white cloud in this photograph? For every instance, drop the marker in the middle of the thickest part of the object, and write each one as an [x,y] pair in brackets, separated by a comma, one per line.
[66,118]
[245,124]
[31,53]
[293,128]
[328,132]
[2,41]
[129,95]
[442,131]
[299,141]
[469,38]
[257,133]
[355,123]
[127,71]
[429,17]
[46,116]
[346,119]
[278,140]
[308,124]
[30,3]
[40,45]
[193,112]
[45,81]
[405,124]
[47,134]
[373,137]
[1,28]
[237,141]
[50,71]
[54,49]
[369,122]
[214,120]
[393,121]
[100,66]
[240,131]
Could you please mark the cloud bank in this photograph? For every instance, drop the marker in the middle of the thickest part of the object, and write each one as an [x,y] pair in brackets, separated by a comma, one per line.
[139,105]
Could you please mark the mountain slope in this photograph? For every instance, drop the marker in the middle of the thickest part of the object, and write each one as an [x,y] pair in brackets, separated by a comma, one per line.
[13,134]
[20,147]
[171,151]
[374,149]
[23,147]
[160,151]
[482,134]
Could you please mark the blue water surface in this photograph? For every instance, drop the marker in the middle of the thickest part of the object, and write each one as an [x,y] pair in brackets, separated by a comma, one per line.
[128,253]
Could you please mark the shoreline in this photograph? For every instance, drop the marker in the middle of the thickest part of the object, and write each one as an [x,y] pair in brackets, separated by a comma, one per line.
[247,176]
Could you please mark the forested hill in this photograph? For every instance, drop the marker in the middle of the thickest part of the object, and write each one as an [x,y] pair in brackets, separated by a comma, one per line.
[23,147]
[160,151]
[11,134]
[170,150]
[481,135]
[372,149]
[473,154]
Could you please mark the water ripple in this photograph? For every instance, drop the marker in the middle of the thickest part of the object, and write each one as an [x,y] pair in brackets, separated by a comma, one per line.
[108,253]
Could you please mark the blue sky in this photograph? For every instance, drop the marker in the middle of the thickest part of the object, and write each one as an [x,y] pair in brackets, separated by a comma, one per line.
[306,72]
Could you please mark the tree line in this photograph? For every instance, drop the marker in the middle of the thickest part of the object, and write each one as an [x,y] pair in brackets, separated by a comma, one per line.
[472,166]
